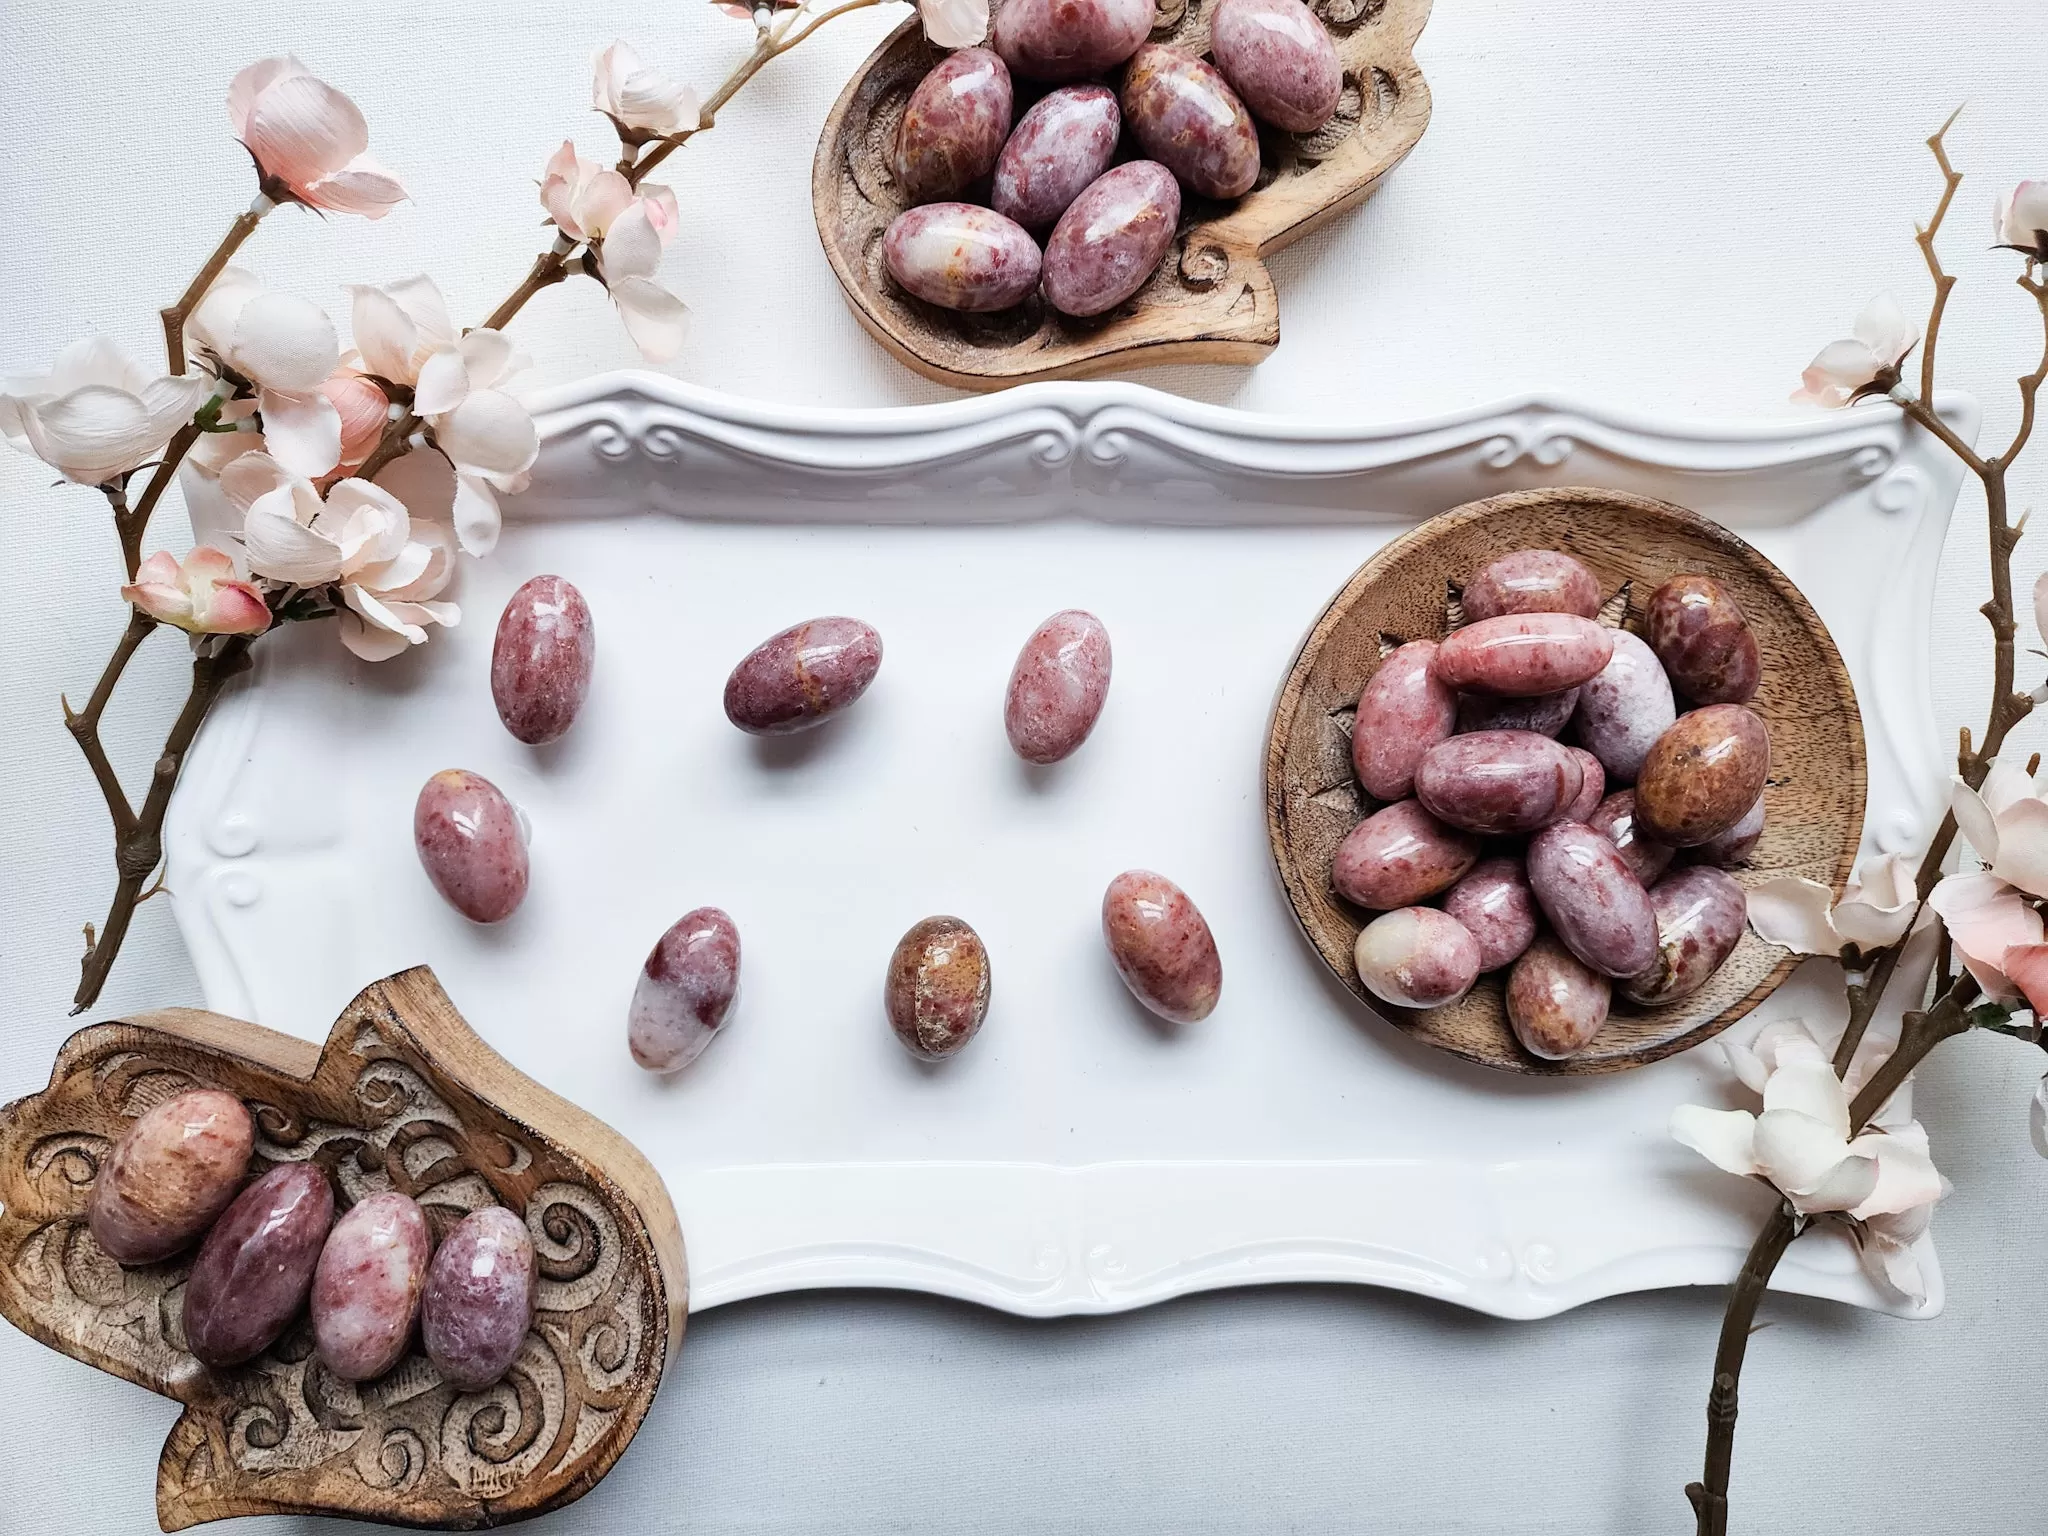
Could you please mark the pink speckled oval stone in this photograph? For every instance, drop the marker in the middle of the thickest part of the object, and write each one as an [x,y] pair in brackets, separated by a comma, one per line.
[954,125]
[1162,946]
[803,676]
[937,990]
[1058,687]
[1058,149]
[1108,244]
[686,991]
[478,1302]
[366,1289]
[961,256]
[542,659]
[471,844]
[1278,57]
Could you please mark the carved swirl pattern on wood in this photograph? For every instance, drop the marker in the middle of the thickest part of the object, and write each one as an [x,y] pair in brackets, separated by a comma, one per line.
[403,1096]
[1211,300]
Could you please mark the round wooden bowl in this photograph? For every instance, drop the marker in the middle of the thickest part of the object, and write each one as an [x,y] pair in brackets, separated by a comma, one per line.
[1212,299]
[1814,798]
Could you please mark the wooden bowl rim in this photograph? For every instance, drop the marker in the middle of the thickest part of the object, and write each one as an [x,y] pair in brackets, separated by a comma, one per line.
[1280,734]
[1235,229]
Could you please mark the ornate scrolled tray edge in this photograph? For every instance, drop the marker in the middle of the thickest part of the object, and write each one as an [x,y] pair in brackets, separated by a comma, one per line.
[404,1094]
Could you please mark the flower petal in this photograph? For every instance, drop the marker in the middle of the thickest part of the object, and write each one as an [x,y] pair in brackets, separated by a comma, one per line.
[282,341]
[2037,1117]
[300,128]
[1986,917]
[361,187]
[1975,818]
[92,435]
[251,83]
[303,431]
[489,431]
[954,23]
[2023,846]
[1884,328]
[1809,1088]
[1724,1137]
[2026,967]
[477,519]
[1793,913]
[385,336]
[370,641]
[279,546]
[1797,1152]
[1881,902]
[443,381]
[657,321]
[1836,373]
[490,358]
[1906,1176]
[633,247]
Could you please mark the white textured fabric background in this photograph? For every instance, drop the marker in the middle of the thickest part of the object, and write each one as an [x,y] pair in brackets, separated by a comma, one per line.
[1660,204]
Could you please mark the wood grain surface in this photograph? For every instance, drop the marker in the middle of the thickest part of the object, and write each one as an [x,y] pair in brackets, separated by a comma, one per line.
[403,1095]
[1814,798]
[1211,300]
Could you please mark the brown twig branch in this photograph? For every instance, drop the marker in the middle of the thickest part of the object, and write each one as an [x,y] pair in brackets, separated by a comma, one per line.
[138,845]
[175,315]
[1709,1496]
[84,724]
[1944,282]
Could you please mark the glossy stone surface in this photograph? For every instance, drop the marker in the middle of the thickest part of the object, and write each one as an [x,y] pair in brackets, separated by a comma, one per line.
[1161,946]
[1701,913]
[1699,632]
[1703,775]
[1494,904]
[471,845]
[478,1301]
[1402,712]
[686,991]
[1109,242]
[367,1285]
[254,1268]
[1416,957]
[1729,849]
[937,989]
[1529,581]
[1614,818]
[542,659]
[1058,687]
[1594,902]
[1592,786]
[1182,112]
[1057,149]
[1556,1003]
[1524,654]
[1280,61]
[1498,782]
[172,1172]
[961,256]
[804,675]
[1061,40]
[1624,708]
[953,126]
[1399,856]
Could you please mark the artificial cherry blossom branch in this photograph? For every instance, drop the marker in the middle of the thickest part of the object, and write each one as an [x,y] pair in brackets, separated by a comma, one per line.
[175,315]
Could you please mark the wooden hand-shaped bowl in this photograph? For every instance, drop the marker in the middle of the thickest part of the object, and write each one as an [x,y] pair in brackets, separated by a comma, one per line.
[402,1096]
[1212,299]
[1813,800]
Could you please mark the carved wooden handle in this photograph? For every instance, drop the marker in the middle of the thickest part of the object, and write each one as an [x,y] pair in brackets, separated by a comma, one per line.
[403,1095]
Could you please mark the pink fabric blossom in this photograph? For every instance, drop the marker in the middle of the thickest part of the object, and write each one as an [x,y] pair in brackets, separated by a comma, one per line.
[203,596]
[582,197]
[309,140]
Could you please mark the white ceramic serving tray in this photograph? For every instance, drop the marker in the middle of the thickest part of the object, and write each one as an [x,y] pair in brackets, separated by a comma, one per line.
[1075,1158]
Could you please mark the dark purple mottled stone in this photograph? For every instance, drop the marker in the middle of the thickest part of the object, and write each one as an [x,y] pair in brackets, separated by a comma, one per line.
[254,1268]
[961,256]
[685,992]
[1593,900]
[1699,633]
[1277,56]
[953,126]
[1058,148]
[1498,782]
[805,675]
[937,990]
[478,1303]
[471,844]
[1614,818]
[1161,945]
[1108,243]
[1184,114]
[542,659]
[1061,40]
[1058,687]
[1701,913]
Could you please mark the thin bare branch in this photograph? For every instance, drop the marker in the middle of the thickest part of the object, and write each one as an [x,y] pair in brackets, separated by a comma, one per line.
[2030,384]
[175,315]
[1944,282]
[84,724]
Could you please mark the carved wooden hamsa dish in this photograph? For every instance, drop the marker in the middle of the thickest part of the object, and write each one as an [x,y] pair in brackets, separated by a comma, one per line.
[1211,299]
[404,1096]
